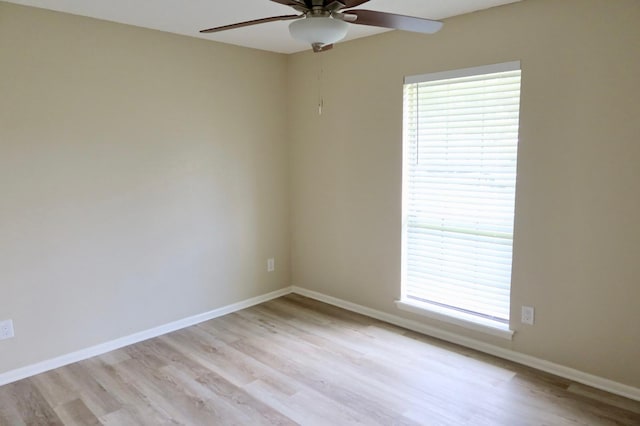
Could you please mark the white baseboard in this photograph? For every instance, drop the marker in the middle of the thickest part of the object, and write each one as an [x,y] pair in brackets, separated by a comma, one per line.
[41,367]
[520,358]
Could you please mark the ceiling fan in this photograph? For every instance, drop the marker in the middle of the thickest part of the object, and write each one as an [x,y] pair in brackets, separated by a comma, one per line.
[324,22]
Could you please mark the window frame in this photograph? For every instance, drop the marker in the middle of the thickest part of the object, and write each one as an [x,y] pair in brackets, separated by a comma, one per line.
[443,313]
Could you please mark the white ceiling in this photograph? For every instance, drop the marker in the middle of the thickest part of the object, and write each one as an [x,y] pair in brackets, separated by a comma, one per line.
[187,17]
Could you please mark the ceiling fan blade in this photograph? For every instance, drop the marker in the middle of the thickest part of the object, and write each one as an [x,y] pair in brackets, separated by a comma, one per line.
[252,22]
[290,2]
[352,3]
[391,20]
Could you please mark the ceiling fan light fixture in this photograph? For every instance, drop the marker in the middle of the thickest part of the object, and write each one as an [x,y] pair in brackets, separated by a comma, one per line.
[318,30]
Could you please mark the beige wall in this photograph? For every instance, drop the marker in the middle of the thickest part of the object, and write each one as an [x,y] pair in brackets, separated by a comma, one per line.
[576,256]
[143,179]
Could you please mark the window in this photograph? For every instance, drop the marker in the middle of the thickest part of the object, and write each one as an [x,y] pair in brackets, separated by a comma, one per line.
[460,153]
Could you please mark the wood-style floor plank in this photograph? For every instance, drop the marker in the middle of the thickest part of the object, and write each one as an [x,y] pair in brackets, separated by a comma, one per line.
[294,360]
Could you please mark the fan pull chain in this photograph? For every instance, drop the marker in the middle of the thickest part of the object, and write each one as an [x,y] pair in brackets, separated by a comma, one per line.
[320,78]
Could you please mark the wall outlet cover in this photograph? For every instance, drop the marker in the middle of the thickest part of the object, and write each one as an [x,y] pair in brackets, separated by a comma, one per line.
[528,314]
[6,329]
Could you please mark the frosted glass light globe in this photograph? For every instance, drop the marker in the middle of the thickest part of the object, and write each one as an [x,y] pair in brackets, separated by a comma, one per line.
[319,30]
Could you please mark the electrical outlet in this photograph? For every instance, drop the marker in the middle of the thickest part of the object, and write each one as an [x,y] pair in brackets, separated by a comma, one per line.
[6,329]
[527,315]
[271,264]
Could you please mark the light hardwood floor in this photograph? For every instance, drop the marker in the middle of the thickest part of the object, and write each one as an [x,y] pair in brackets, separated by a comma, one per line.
[297,361]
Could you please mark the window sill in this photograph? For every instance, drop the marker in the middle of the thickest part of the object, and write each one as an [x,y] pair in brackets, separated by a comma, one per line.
[461,319]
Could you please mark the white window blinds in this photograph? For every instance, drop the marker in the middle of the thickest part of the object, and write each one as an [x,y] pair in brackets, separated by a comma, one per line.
[460,150]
